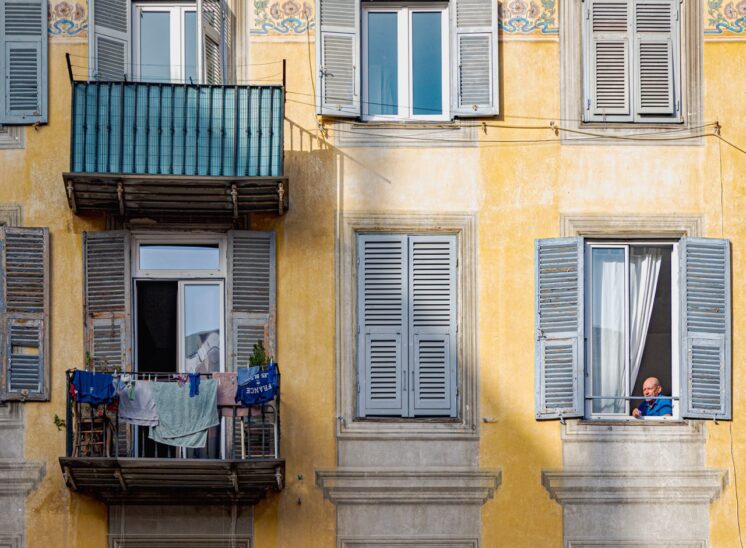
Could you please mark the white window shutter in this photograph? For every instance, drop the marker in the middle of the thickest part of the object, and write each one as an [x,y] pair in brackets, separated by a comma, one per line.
[107,299]
[705,328]
[608,43]
[23,61]
[432,325]
[24,307]
[251,295]
[559,328]
[338,57]
[474,88]
[382,339]
[656,35]
[110,51]
[212,25]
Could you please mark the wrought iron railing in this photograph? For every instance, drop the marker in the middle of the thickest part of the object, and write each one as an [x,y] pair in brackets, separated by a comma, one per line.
[244,434]
[177,129]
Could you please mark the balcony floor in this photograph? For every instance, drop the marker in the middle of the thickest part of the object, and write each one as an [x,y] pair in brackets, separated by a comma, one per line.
[173,481]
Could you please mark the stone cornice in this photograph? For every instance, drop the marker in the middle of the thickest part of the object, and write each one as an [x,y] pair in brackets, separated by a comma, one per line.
[18,477]
[633,431]
[408,486]
[634,486]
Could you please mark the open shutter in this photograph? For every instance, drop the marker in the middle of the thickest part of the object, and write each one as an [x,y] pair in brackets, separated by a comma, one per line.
[23,61]
[559,328]
[382,325]
[705,328]
[212,25]
[338,57]
[474,57]
[110,43]
[108,339]
[656,34]
[251,294]
[607,56]
[25,313]
[432,325]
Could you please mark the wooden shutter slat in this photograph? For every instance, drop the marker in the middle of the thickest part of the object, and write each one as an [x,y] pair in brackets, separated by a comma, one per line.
[559,327]
[705,328]
[25,313]
[212,24]
[655,29]
[110,48]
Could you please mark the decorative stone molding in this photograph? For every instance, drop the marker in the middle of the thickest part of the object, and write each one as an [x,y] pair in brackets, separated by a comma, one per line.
[11,137]
[465,226]
[603,543]
[10,215]
[180,541]
[406,486]
[634,486]
[625,226]
[627,431]
[11,416]
[347,134]
[18,477]
[389,542]
[11,541]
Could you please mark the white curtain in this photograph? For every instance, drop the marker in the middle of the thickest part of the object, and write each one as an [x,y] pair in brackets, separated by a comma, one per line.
[608,329]
[644,268]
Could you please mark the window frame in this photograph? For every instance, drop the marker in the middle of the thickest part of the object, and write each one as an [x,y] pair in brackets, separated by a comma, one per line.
[176,11]
[161,238]
[676,363]
[404,12]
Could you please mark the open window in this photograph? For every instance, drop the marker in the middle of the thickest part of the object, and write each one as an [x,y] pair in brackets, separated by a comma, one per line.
[611,314]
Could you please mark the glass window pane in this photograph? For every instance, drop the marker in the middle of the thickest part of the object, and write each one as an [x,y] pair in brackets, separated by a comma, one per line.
[155,46]
[179,257]
[607,329]
[202,340]
[383,79]
[190,46]
[427,63]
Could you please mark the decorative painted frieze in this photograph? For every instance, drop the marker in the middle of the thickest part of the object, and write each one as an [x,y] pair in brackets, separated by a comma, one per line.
[68,19]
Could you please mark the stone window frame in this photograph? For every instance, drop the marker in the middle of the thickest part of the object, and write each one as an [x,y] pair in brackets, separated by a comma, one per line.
[12,137]
[349,426]
[692,85]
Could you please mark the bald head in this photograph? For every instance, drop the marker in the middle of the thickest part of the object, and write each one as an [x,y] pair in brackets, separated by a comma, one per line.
[651,388]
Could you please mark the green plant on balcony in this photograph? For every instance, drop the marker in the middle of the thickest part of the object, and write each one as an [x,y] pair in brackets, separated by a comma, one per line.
[259,356]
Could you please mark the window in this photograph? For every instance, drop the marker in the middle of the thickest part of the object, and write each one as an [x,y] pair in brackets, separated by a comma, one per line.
[165,42]
[631,313]
[407,60]
[610,314]
[405,63]
[407,344]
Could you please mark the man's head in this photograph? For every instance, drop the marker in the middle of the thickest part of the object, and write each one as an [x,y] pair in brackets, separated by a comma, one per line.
[651,388]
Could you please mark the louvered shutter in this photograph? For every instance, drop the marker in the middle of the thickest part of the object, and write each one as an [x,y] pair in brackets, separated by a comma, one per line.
[559,328]
[656,32]
[23,61]
[338,57]
[212,25]
[251,294]
[432,325]
[705,307]
[107,300]
[382,325]
[24,304]
[608,31]
[474,58]
[110,44]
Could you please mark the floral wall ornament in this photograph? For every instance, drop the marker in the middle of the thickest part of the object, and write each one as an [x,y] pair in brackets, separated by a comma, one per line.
[288,17]
[528,17]
[67,19]
[726,18]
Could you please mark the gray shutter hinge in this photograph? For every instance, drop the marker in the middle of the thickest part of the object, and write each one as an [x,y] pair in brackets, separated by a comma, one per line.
[588,104]
[358,387]
[678,105]
[358,330]
[587,13]
[678,11]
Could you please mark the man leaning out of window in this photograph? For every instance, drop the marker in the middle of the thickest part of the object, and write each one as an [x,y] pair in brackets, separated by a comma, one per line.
[653,406]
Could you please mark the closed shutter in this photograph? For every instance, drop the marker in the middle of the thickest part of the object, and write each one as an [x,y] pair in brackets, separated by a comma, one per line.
[338,57]
[559,328]
[25,313]
[23,61]
[432,325]
[108,304]
[656,47]
[251,294]
[705,328]
[212,21]
[608,31]
[382,325]
[474,57]
[110,43]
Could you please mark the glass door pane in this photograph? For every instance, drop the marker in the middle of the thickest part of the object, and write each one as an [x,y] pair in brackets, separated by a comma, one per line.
[190,47]
[202,327]
[155,46]
[427,63]
[383,71]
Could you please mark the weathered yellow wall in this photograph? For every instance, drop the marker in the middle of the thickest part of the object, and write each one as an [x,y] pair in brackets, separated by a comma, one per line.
[518,190]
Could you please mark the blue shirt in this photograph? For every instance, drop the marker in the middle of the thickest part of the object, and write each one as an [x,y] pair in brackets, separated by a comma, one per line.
[658,409]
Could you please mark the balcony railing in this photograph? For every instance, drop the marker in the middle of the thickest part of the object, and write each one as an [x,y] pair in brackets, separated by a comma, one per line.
[117,462]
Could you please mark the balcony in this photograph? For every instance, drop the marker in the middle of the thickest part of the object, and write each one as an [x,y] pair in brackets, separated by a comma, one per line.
[184,151]
[117,463]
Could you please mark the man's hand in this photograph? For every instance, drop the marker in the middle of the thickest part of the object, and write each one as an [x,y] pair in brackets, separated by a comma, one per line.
[636,414]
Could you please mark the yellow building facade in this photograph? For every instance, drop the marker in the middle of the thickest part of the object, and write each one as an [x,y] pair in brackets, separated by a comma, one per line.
[492,475]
